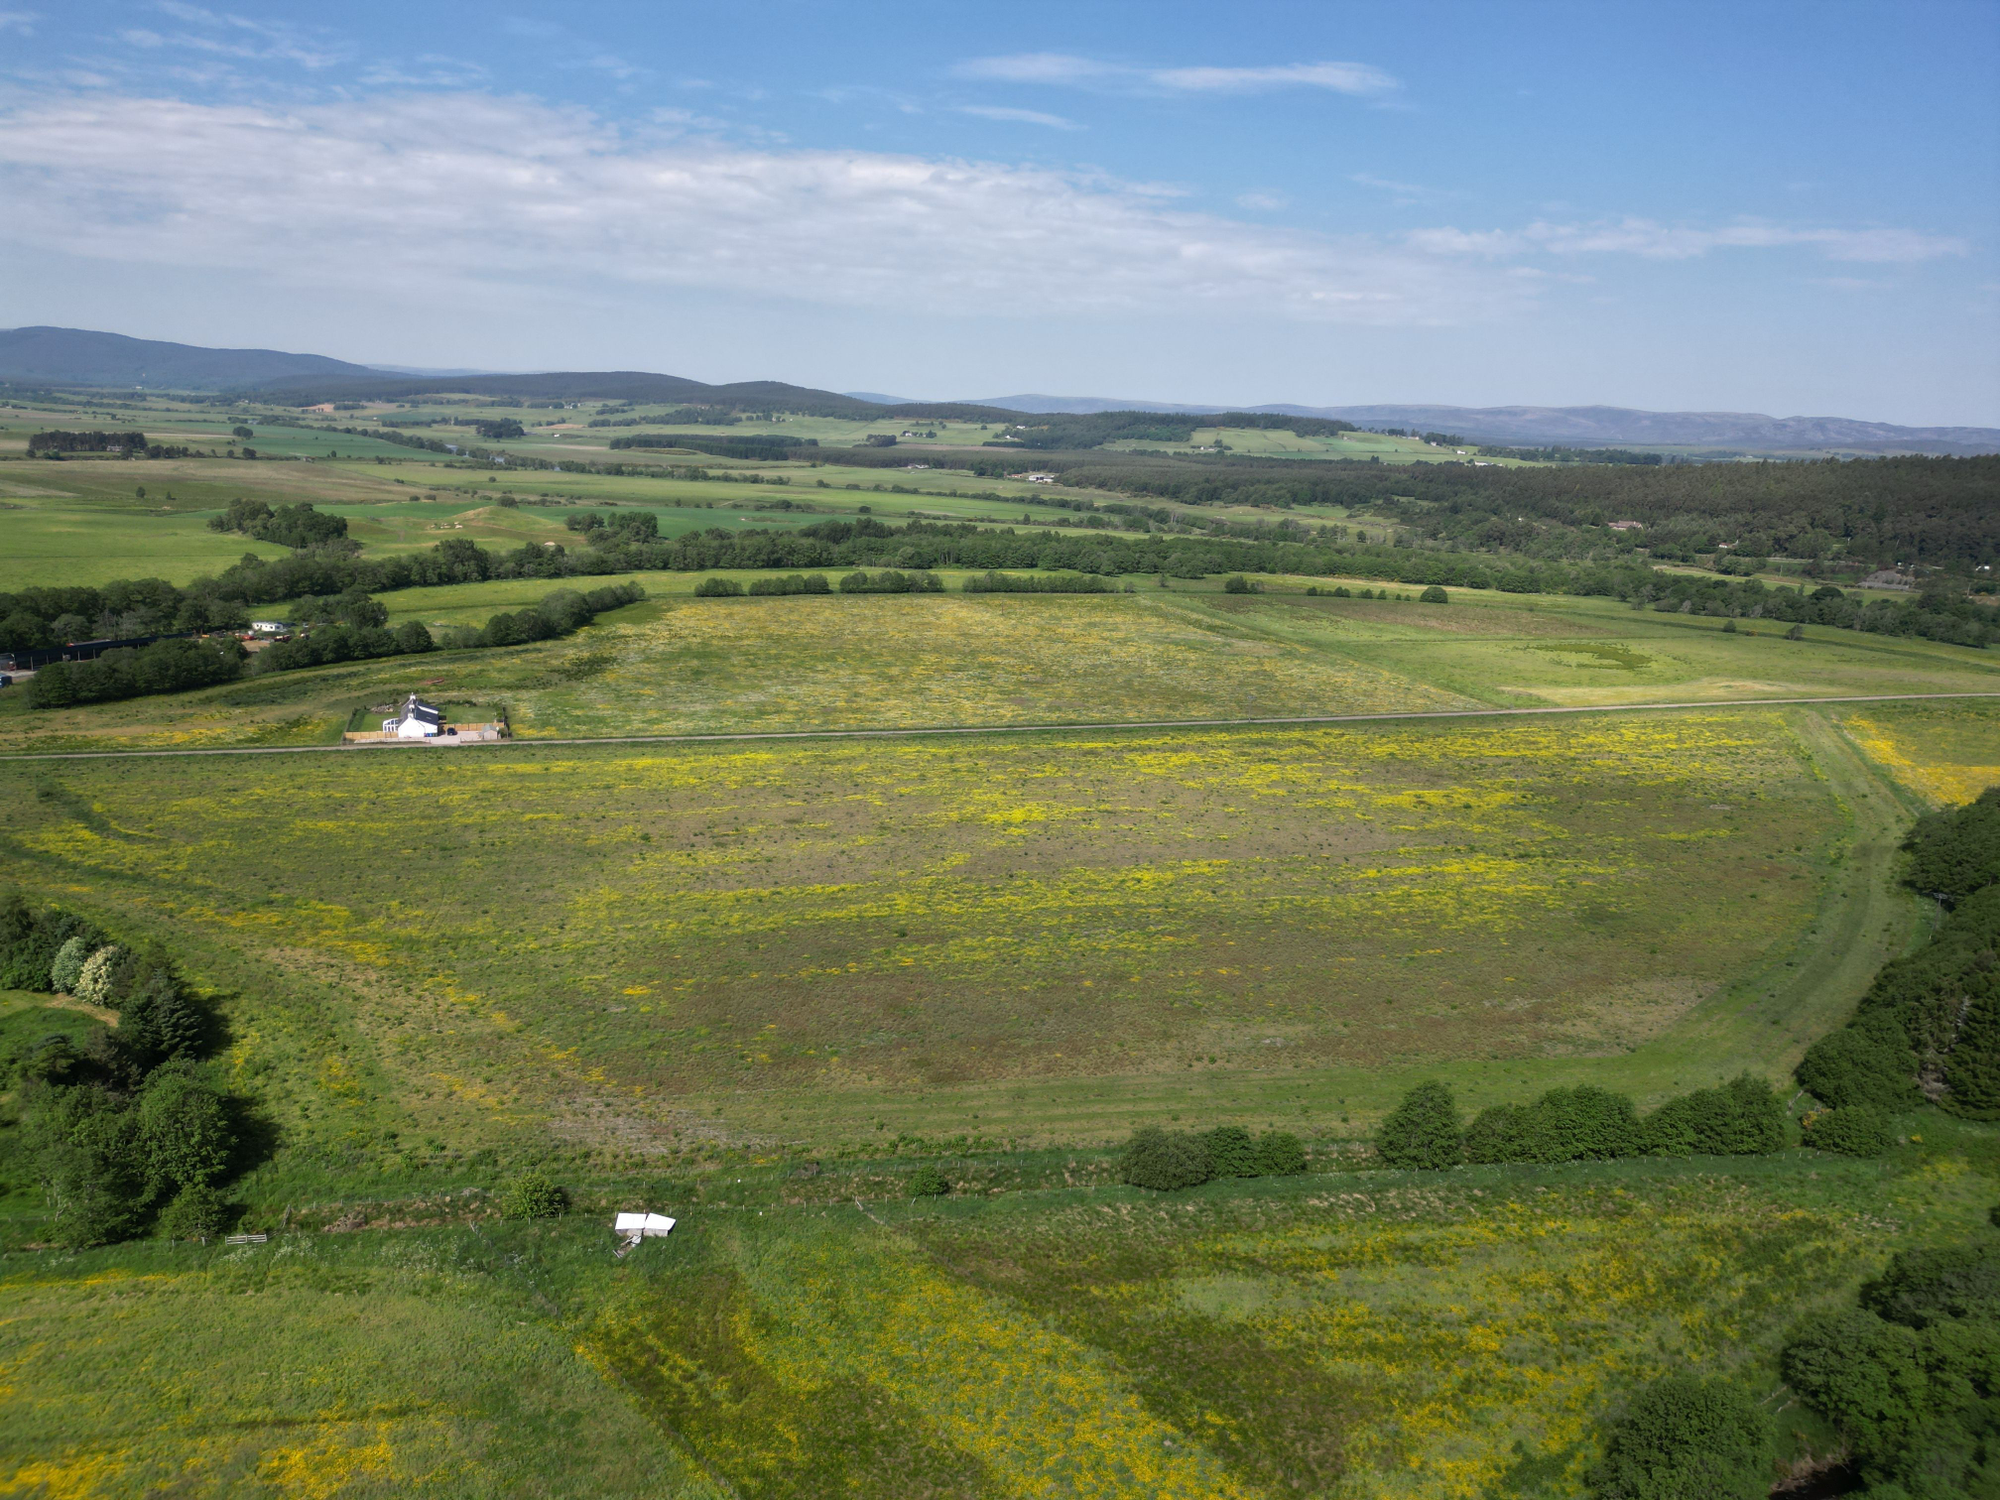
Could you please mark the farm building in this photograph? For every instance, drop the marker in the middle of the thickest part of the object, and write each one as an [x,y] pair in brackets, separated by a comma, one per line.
[269,627]
[418,721]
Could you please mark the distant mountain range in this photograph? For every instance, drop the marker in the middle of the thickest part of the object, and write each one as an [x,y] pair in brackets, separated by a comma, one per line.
[76,356]
[1587,426]
[79,357]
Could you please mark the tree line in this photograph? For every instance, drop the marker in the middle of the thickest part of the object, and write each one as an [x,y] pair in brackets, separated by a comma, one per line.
[128,1130]
[299,527]
[355,629]
[627,541]
[1929,1026]
[1933,512]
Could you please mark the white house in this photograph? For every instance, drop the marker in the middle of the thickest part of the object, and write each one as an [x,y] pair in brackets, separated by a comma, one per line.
[418,721]
[269,627]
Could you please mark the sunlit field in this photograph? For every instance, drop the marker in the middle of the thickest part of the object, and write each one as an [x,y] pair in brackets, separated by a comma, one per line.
[524,938]
[1360,1335]
[678,665]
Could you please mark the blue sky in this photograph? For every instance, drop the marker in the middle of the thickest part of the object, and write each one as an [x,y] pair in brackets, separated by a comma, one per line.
[1783,208]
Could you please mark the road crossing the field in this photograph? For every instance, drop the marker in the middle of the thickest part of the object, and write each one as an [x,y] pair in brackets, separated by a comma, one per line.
[1082,727]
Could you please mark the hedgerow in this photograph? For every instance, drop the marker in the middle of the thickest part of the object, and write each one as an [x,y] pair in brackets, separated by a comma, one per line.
[1167,1159]
[1740,1118]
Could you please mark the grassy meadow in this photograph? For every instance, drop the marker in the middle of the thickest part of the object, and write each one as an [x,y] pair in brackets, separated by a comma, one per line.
[1358,1335]
[757,983]
[674,664]
[1028,937]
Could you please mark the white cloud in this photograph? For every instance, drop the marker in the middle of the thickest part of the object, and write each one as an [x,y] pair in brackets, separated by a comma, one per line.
[22,21]
[503,196]
[1644,237]
[1067,69]
[1036,67]
[1018,116]
[1263,202]
[1342,78]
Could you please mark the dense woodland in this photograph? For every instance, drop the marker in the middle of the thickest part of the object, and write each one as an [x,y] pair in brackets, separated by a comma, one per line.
[1928,512]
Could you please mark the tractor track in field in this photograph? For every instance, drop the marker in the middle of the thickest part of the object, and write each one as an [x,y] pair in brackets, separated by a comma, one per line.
[933,730]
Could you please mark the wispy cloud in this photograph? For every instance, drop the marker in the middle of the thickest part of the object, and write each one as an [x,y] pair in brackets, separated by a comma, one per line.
[1340,77]
[1656,241]
[1406,194]
[222,34]
[1069,70]
[468,192]
[1263,202]
[21,21]
[1037,67]
[428,71]
[1018,116]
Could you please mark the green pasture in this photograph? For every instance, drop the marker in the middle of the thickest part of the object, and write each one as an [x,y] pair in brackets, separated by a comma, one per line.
[84,520]
[1359,1335]
[677,664]
[1036,937]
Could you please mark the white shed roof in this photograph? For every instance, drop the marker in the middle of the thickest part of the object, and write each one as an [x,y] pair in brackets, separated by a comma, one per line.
[643,1225]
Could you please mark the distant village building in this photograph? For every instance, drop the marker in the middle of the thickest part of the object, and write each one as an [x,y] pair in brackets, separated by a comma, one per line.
[1628,526]
[269,627]
[418,721]
[1038,478]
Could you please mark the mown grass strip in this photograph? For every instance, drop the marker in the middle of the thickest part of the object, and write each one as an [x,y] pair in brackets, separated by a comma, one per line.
[977,729]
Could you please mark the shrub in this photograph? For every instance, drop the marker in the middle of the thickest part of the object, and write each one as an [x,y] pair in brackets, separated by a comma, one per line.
[1741,1118]
[1279,1154]
[1434,595]
[1867,1064]
[1424,1131]
[95,984]
[928,1181]
[1954,853]
[1906,1378]
[533,1195]
[67,968]
[717,588]
[792,583]
[1686,1439]
[890,581]
[90,1163]
[993,582]
[1579,1124]
[183,1131]
[1856,1130]
[1231,1152]
[1936,1284]
[1236,583]
[413,638]
[194,1214]
[30,941]
[157,1019]
[1165,1160]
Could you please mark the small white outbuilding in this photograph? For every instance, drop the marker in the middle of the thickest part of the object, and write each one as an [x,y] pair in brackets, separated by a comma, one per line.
[633,1228]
